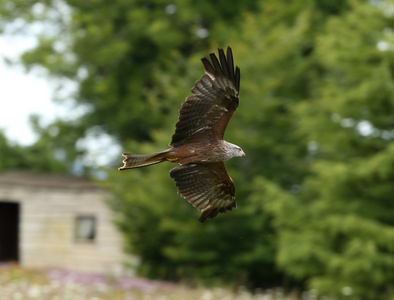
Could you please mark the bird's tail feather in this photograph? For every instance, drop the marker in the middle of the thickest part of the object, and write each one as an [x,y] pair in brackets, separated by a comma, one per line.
[132,161]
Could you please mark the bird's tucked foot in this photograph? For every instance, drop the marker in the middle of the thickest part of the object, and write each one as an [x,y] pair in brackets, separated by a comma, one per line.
[172,159]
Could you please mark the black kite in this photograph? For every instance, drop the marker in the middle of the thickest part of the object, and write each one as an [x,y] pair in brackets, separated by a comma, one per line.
[198,144]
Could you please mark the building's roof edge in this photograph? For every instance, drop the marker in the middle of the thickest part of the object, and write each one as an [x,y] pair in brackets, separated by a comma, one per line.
[47,180]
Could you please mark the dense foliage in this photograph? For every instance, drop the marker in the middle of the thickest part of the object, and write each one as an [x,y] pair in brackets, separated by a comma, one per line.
[315,193]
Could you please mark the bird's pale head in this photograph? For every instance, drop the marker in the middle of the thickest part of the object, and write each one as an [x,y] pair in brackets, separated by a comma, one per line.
[235,151]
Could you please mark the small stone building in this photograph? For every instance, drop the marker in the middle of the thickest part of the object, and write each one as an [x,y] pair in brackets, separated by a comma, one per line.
[57,221]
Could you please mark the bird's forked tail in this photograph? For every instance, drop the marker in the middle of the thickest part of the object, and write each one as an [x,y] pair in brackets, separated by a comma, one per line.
[132,161]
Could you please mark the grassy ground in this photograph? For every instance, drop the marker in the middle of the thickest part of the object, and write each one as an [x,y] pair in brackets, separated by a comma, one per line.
[17,283]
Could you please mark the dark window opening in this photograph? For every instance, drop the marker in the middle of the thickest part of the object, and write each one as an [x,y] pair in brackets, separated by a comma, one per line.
[9,232]
[85,228]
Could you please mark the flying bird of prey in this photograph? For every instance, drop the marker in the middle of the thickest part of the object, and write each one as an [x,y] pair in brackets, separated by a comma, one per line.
[198,144]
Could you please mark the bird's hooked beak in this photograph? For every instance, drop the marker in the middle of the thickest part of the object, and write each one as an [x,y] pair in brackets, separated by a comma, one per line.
[241,153]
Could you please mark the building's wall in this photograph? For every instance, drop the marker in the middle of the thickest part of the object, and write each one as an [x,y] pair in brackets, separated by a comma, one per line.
[47,226]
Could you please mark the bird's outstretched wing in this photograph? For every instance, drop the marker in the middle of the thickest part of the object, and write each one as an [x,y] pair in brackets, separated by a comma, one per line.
[215,98]
[207,186]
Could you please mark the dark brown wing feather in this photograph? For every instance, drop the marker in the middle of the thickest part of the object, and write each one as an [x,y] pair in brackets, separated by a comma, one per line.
[207,186]
[214,100]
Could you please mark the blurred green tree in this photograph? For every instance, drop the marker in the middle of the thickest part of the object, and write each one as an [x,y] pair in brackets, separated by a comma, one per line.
[117,52]
[343,239]
[120,55]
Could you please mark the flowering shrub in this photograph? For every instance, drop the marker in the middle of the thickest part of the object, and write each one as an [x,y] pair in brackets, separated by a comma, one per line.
[17,283]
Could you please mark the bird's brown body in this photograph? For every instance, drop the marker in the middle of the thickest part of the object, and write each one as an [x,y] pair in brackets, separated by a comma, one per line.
[194,153]
[198,144]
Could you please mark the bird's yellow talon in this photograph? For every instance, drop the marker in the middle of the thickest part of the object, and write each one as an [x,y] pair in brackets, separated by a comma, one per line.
[172,159]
